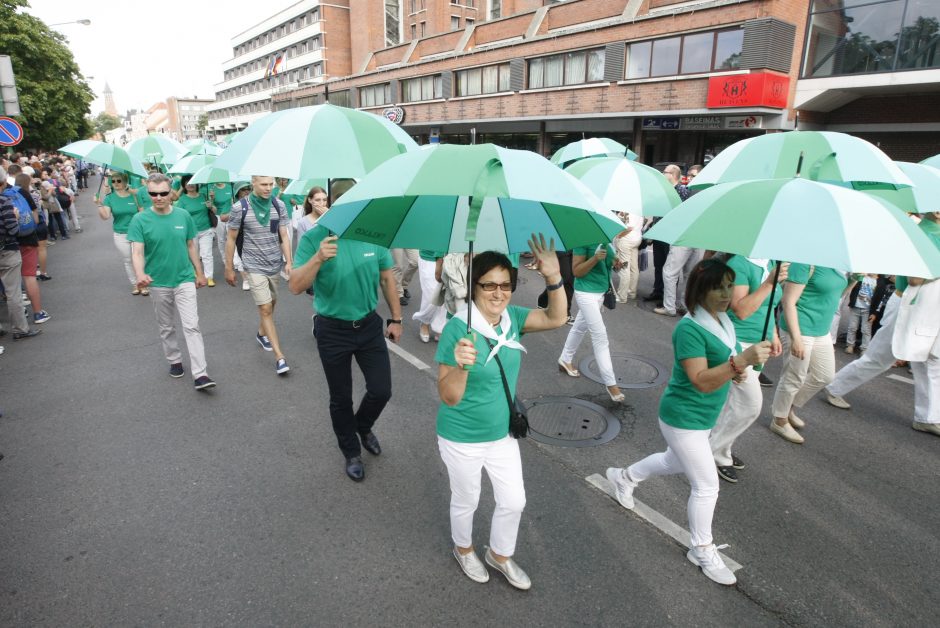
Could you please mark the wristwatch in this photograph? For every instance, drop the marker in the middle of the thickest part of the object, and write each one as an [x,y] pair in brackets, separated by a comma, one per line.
[392,321]
[555,286]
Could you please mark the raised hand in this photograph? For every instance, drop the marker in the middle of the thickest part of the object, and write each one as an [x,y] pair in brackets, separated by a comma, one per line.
[546,262]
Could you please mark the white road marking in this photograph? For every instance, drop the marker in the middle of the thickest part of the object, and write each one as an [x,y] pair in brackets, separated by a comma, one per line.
[407,357]
[901,378]
[671,528]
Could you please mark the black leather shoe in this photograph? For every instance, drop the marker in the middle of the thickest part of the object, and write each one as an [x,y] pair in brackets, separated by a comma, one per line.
[355,470]
[765,381]
[371,443]
[653,297]
[402,301]
[406,293]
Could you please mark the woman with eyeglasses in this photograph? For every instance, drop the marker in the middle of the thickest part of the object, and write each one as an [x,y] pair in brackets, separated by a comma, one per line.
[119,205]
[475,372]
[198,206]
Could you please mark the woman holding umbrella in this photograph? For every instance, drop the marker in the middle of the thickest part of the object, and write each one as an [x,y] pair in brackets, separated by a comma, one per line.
[476,378]
[198,206]
[120,206]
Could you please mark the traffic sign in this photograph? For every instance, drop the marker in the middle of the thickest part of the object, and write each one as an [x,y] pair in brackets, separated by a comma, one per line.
[11,133]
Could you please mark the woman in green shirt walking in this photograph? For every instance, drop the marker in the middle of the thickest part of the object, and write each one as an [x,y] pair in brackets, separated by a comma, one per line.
[199,206]
[120,205]
[473,418]
[707,359]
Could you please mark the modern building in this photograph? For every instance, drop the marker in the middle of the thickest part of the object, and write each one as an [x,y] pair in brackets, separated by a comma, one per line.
[183,116]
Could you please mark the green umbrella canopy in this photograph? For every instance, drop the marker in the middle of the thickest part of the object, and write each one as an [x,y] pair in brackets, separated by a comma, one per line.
[626,186]
[156,149]
[202,147]
[923,197]
[322,140]
[820,155]
[211,174]
[445,198]
[104,154]
[300,187]
[934,161]
[191,164]
[591,147]
[802,221]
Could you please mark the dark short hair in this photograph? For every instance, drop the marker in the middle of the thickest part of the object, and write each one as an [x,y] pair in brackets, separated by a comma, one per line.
[707,275]
[484,263]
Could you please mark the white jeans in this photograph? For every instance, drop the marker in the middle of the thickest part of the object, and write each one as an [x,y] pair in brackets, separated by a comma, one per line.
[503,465]
[801,379]
[406,263]
[221,234]
[741,410]
[167,302]
[429,314]
[589,319]
[629,273]
[876,360]
[124,248]
[926,390]
[679,263]
[204,238]
[688,452]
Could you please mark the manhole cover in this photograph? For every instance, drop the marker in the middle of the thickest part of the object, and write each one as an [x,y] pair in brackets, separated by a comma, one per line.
[632,371]
[570,422]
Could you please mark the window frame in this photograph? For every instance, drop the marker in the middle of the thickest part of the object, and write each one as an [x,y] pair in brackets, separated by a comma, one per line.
[563,58]
[679,69]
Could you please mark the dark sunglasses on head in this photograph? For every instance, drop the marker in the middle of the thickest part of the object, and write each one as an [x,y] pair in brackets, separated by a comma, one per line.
[155,194]
[490,286]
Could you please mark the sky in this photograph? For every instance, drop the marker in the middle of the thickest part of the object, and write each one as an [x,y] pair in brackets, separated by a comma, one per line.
[147,51]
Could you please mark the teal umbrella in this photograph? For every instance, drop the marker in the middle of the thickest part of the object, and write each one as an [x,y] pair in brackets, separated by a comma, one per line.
[191,164]
[820,155]
[923,197]
[107,155]
[300,187]
[626,186]
[211,174]
[202,147]
[322,140]
[156,149]
[932,161]
[591,147]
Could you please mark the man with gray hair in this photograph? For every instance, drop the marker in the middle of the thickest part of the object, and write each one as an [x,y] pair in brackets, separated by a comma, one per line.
[11,264]
[681,259]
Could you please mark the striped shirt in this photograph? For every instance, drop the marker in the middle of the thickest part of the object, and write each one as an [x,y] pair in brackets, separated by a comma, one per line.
[261,250]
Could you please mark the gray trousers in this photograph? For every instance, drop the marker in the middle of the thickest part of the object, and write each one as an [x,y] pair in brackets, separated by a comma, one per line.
[167,302]
[680,262]
[11,275]
[406,263]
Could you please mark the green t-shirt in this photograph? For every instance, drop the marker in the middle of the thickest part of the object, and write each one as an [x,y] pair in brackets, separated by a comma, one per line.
[143,198]
[222,198]
[932,229]
[429,256]
[165,238]
[816,307]
[682,405]
[747,274]
[123,208]
[346,286]
[598,279]
[196,207]
[482,414]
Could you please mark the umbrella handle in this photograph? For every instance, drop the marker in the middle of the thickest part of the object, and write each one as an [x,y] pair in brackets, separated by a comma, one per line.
[469,297]
[770,309]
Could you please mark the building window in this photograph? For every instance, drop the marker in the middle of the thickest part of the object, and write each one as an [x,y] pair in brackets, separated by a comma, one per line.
[570,68]
[414,31]
[317,69]
[375,95]
[470,3]
[422,88]
[454,22]
[424,28]
[496,9]
[490,79]
[412,4]
[468,21]
[315,43]
[392,22]
[695,53]
[340,99]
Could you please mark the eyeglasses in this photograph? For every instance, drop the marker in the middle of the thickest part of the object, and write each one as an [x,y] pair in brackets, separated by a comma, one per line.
[116,181]
[156,194]
[491,286]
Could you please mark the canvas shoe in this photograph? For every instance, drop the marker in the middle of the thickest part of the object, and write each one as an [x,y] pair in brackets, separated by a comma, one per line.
[623,486]
[203,383]
[837,401]
[176,369]
[264,342]
[786,432]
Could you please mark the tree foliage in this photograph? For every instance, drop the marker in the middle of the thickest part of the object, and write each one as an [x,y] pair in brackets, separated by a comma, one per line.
[202,123]
[54,97]
[104,122]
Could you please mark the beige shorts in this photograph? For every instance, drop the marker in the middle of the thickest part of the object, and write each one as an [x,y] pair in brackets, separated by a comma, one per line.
[263,288]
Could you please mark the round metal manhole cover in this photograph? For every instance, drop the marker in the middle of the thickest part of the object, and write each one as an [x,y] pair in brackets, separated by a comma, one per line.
[570,422]
[633,371]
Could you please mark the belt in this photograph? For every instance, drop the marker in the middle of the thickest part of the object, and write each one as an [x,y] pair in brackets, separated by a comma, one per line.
[343,324]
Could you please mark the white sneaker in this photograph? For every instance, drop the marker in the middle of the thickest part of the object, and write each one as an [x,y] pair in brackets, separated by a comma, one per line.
[472,566]
[623,486]
[712,566]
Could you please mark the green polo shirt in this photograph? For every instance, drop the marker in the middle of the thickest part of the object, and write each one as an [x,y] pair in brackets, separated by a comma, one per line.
[346,286]
[196,207]
[165,238]
[222,198]
[123,208]
[682,405]
[482,415]
[932,229]
[429,256]
[598,279]
[816,307]
[747,274]
[143,198]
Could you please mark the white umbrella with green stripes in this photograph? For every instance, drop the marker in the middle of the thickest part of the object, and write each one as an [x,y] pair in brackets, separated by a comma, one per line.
[626,186]
[591,147]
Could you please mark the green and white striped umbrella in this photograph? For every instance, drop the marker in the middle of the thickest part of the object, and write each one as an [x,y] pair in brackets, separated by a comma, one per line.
[447,198]
[202,147]
[157,149]
[107,155]
[192,164]
[932,161]
[210,174]
[796,220]
[818,155]
[923,197]
[626,186]
[322,140]
[300,187]
[591,147]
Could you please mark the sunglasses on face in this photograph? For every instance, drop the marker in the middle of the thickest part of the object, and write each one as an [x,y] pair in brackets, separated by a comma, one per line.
[156,194]
[491,286]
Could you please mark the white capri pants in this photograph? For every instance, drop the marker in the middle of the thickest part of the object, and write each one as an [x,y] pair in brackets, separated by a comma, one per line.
[503,465]
[124,248]
[589,319]
[876,360]
[801,379]
[741,410]
[205,238]
[429,314]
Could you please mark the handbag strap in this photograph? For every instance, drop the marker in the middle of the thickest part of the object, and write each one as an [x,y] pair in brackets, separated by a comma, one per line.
[502,375]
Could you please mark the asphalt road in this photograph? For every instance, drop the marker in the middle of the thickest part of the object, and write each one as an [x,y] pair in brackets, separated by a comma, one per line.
[127,498]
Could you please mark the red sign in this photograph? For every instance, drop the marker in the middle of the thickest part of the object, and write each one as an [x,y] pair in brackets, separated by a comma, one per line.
[11,133]
[758,89]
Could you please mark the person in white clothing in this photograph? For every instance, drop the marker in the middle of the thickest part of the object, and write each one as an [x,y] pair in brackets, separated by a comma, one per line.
[627,265]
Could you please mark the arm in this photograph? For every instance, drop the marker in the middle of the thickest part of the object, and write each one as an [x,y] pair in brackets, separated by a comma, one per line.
[137,259]
[285,247]
[708,380]
[439,269]
[581,265]
[390,292]
[303,277]
[104,212]
[547,264]
[452,380]
[194,259]
[745,304]
[230,236]
[791,294]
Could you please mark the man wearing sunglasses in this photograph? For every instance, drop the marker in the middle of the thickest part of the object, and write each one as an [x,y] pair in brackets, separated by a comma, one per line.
[166,261]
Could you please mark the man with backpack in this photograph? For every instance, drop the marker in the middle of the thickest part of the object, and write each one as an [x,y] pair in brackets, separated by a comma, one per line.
[28,239]
[258,229]
[11,263]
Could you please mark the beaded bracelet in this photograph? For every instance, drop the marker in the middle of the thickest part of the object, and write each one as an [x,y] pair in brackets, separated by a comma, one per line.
[734,367]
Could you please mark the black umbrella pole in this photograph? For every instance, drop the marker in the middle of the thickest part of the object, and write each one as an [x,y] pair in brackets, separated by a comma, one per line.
[770,309]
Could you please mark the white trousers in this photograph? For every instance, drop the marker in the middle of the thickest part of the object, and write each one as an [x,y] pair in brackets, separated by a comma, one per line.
[406,263]
[124,248]
[629,273]
[221,234]
[741,410]
[204,238]
[503,465]
[688,452]
[876,360]
[167,302]
[801,379]
[589,319]
[429,314]
[679,263]
[926,390]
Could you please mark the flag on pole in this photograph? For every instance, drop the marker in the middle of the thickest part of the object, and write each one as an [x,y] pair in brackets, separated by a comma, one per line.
[276,65]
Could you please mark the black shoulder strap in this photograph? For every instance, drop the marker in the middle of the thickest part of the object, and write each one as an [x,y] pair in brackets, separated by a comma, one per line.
[502,375]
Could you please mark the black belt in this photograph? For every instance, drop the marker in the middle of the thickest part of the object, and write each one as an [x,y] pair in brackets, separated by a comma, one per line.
[339,323]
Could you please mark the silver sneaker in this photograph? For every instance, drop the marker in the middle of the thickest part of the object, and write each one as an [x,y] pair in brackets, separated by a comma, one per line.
[623,486]
[511,570]
[471,565]
[712,566]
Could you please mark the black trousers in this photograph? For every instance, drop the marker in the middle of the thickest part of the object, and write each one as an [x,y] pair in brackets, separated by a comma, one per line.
[55,219]
[338,342]
[567,276]
[660,253]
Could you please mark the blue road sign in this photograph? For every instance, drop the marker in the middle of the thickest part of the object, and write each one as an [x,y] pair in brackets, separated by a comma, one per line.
[11,133]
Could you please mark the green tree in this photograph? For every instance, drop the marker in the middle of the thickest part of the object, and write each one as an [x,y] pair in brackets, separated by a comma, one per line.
[202,123]
[104,122]
[54,97]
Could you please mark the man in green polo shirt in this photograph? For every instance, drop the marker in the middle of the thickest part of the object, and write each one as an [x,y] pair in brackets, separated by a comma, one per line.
[166,261]
[346,277]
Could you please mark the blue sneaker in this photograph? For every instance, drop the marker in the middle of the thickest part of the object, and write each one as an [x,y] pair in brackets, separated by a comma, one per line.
[41,316]
[281,367]
[264,342]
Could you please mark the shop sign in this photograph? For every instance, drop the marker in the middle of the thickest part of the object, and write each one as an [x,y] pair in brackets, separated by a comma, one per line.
[744,122]
[661,124]
[757,89]
[394,114]
[701,123]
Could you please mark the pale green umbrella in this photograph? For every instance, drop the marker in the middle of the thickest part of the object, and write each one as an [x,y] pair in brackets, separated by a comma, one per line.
[107,155]
[932,161]
[157,149]
[322,140]
[191,164]
[211,174]
[923,197]
[591,147]
[202,147]
[300,187]
[626,186]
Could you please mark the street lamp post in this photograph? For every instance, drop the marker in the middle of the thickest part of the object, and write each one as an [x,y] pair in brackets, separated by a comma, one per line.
[82,22]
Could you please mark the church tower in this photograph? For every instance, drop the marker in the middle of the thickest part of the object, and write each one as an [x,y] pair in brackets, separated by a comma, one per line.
[109,106]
